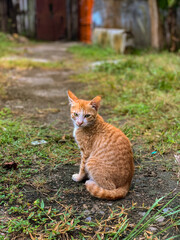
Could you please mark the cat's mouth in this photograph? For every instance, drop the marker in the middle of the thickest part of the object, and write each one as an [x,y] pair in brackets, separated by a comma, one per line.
[84,124]
[80,125]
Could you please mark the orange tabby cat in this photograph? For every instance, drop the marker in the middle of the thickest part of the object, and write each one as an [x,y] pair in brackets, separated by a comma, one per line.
[106,155]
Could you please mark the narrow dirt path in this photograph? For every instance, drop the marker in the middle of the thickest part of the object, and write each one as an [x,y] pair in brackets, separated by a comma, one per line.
[41,94]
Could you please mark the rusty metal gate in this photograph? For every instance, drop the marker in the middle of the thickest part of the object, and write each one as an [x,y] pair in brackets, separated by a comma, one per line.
[51,19]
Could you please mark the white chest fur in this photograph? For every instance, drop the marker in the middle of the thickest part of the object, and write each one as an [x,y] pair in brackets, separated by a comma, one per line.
[74,131]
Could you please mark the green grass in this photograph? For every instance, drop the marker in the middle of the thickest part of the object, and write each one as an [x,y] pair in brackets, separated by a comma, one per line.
[16,138]
[8,48]
[92,52]
[25,63]
[143,91]
[16,146]
[148,219]
[6,45]
[41,218]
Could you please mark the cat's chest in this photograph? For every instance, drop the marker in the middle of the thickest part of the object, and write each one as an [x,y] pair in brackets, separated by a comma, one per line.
[82,138]
[74,131]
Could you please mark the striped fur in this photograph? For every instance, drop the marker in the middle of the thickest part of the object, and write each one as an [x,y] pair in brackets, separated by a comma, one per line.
[100,192]
[106,155]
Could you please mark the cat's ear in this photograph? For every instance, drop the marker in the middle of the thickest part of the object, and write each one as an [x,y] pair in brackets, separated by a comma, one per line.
[95,103]
[72,98]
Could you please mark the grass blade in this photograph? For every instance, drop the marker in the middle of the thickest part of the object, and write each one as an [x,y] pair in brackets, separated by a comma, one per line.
[135,232]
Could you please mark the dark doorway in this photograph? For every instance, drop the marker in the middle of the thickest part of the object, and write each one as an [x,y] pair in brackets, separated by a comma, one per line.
[51,19]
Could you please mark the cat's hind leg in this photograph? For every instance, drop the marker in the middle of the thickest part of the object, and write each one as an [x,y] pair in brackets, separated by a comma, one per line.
[99,174]
[101,184]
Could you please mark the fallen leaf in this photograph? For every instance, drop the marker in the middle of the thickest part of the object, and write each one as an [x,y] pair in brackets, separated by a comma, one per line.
[52,155]
[10,165]
[49,211]
[56,227]
[32,238]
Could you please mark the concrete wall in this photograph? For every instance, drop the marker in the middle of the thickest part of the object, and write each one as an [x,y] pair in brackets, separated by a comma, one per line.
[99,13]
[135,17]
[131,15]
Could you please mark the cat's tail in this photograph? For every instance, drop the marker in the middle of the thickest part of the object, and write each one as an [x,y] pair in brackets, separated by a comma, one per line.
[100,192]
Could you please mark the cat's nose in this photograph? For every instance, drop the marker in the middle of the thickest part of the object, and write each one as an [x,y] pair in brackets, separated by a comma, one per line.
[79,123]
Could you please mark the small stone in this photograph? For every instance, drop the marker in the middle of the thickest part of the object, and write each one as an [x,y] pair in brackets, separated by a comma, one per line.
[88,219]
[102,213]
[109,204]
[38,142]
[160,219]
[86,212]
[19,107]
[177,159]
[165,210]
[153,174]
[152,229]
[142,213]
[95,207]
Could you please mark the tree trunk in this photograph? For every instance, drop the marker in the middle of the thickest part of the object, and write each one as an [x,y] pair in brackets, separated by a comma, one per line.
[172,27]
[3,16]
[157,40]
[113,19]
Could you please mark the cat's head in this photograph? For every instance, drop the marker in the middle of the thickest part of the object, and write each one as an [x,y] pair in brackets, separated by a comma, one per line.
[83,113]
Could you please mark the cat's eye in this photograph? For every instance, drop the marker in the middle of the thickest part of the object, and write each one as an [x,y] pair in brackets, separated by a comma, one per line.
[75,114]
[87,115]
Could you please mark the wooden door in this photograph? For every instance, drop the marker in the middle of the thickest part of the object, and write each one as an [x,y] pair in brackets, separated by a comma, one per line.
[51,19]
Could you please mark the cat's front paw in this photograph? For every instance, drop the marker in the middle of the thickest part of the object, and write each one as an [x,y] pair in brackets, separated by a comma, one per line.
[76,177]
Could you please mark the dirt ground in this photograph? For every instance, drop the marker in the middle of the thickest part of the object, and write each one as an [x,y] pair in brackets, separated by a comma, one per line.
[33,90]
[30,92]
